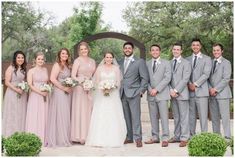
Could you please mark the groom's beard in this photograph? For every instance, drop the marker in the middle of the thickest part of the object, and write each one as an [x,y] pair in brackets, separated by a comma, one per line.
[128,55]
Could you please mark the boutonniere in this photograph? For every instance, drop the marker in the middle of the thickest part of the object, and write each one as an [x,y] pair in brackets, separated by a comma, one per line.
[159,62]
[179,61]
[132,60]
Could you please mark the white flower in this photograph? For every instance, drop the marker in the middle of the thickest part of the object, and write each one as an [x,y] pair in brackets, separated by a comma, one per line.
[46,88]
[24,86]
[69,82]
[87,84]
[107,86]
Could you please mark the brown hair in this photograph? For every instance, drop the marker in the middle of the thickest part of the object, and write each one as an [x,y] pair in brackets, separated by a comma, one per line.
[108,52]
[68,61]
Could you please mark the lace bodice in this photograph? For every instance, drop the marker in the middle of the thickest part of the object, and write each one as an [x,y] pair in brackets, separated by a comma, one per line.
[108,76]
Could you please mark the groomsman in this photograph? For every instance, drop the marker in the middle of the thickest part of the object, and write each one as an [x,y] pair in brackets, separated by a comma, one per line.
[198,87]
[181,70]
[133,86]
[158,95]
[220,92]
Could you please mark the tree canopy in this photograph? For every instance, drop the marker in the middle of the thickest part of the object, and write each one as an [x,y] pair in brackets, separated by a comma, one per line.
[168,22]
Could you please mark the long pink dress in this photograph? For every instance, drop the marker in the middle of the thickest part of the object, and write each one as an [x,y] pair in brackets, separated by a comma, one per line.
[59,114]
[37,109]
[14,108]
[81,103]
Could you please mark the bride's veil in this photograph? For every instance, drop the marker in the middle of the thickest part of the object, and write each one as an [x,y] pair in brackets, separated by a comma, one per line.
[97,76]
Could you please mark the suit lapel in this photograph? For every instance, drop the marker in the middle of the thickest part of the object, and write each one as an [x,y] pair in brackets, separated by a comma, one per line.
[130,64]
[177,65]
[199,59]
[218,65]
[150,67]
[122,66]
[157,65]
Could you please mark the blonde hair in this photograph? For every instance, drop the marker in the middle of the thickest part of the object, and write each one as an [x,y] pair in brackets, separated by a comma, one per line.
[83,44]
[36,55]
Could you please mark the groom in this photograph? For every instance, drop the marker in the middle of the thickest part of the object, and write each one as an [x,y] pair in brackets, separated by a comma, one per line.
[133,86]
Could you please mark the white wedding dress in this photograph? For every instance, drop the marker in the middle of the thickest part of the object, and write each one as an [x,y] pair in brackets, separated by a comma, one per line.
[107,126]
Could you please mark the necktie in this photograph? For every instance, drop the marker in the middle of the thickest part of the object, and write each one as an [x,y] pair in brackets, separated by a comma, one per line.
[174,64]
[154,65]
[214,66]
[126,64]
[195,61]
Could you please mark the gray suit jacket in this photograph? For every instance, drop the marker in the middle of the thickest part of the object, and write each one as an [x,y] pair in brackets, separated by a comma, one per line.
[180,78]
[159,80]
[220,79]
[200,75]
[135,79]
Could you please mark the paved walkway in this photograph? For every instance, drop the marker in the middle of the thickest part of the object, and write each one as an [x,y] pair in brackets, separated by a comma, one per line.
[127,150]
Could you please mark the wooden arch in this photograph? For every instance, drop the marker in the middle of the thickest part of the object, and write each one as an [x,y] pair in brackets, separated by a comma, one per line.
[116,36]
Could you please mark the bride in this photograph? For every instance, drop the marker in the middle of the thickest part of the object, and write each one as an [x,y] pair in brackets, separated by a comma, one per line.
[107,126]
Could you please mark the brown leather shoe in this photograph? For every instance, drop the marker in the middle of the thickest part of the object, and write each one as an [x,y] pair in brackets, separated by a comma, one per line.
[173,140]
[139,143]
[151,141]
[165,144]
[183,144]
[128,141]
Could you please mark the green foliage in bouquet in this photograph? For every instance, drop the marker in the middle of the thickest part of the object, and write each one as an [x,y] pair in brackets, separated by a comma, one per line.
[23,144]
[207,144]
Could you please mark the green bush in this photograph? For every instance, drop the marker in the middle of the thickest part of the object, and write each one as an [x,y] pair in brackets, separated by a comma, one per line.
[207,144]
[23,144]
[231,145]
[3,141]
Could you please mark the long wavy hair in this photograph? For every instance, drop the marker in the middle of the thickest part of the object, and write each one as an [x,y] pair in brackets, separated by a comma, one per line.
[68,61]
[23,66]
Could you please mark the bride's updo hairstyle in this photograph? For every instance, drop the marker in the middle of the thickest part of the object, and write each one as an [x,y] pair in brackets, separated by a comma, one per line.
[109,52]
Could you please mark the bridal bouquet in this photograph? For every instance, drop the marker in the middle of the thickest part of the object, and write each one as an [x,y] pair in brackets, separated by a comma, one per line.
[45,88]
[107,86]
[23,86]
[69,82]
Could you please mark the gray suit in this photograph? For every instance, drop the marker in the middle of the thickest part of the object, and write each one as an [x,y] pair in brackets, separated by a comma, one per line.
[180,104]
[199,99]
[219,105]
[134,83]
[159,80]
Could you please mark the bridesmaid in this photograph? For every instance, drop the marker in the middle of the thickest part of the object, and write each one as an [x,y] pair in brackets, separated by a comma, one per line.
[37,109]
[60,104]
[14,107]
[83,68]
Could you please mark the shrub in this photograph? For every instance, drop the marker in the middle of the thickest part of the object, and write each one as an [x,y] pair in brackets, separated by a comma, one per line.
[207,144]
[23,144]
[3,141]
[231,145]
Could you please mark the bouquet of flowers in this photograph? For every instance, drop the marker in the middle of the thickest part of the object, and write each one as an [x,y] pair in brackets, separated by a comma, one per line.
[45,88]
[87,84]
[69,82]
[23,86]
[107,86]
